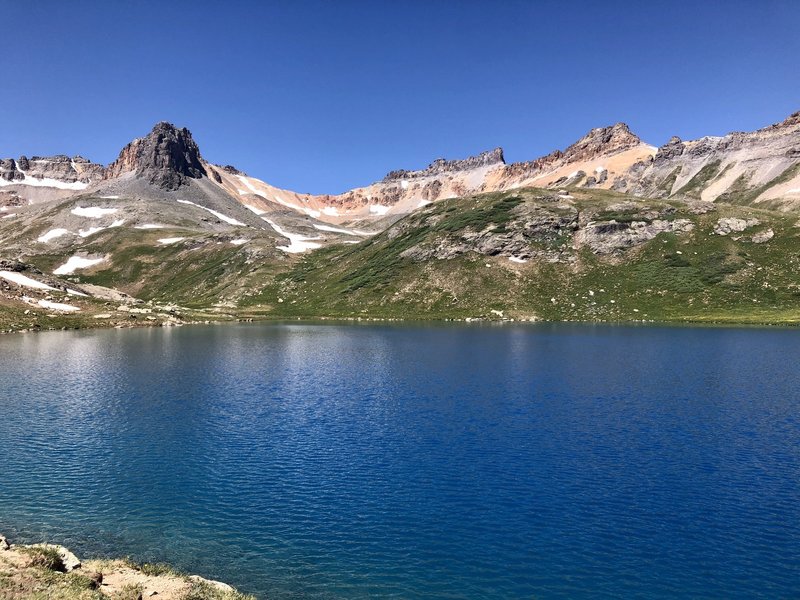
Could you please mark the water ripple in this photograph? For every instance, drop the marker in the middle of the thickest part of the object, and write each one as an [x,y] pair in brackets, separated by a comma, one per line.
[301,461]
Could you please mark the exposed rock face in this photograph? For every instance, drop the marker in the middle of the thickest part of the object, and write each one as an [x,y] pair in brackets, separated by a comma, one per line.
[739,167]
[531,224]
[603,141]
[167,157]
[59,169]
[610,237]
[441,166]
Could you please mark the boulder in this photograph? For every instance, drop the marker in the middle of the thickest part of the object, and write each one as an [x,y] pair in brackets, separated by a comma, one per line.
[763,236]
[729,225]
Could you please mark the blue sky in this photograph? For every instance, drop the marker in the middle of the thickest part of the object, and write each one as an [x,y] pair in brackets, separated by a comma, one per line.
[324,96]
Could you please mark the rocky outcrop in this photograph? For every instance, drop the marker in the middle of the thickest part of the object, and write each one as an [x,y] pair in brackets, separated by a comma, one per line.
[740,167]
[167,157]
[50,170]
[730,225]
[50,571]
[530,225]
[441,166]
[763,237]
[602,141]
[609,237]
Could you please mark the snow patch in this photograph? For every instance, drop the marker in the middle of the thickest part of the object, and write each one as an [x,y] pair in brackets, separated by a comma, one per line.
[297,243]
[24,281]
[46,182]
[404,184]
[516,259]
[57,306]
[93,212]
[331,211]
[149,226]
[8,216]
[423,203]
[110,197]
[258,211]
[171,240]
[92,230]
[76,262]
[51,235]
[378,209]
[247,183]
[335,230]
[220,216]
[239,242]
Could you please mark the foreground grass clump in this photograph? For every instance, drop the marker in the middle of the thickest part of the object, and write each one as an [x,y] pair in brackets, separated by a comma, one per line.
[44,557]
[201,590]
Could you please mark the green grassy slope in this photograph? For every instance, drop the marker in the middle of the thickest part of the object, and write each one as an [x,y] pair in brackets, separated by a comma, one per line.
[691,276]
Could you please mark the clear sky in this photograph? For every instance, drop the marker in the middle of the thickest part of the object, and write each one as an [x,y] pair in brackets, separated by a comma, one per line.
[324,96]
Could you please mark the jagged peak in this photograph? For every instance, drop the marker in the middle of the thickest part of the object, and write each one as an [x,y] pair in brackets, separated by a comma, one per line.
[168,157]
[442,165]
[611,138]
[790,121]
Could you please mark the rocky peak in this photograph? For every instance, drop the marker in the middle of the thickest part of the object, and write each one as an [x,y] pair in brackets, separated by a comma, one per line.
[167,157]
[441,165]
[602,140]
[791,121]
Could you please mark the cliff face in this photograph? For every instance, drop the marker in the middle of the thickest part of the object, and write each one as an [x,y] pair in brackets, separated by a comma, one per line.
[597,146]
[740,167]
[167,157]
[44,170]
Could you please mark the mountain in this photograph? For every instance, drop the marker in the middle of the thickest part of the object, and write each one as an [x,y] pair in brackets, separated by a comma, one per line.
[699,229]
[761,167]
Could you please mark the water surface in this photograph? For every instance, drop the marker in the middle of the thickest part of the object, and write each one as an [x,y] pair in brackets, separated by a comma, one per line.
[327,461]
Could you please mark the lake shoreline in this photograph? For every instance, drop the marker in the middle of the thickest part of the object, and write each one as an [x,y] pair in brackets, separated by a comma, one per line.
[29,569]
[677,322]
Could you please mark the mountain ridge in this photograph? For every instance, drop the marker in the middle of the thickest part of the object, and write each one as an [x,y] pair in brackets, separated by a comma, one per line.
[611,157]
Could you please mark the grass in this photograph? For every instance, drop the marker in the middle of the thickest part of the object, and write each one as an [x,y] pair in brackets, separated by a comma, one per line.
[201,590]
[674,277]
[44,557]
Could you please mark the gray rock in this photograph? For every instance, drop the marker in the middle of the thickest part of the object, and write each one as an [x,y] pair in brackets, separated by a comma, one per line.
[441,166]
[729,225]
[167,157]
[763,236]
[609,237]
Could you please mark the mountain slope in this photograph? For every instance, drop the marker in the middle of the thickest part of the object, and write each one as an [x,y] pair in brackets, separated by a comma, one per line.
[616,229]
[760,167]
[536,254]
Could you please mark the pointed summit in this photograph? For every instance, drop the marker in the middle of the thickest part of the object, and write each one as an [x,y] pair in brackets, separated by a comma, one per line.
[167,157]
[603,140]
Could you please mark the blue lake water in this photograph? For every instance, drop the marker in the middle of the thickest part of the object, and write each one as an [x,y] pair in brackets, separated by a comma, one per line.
[327,461]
